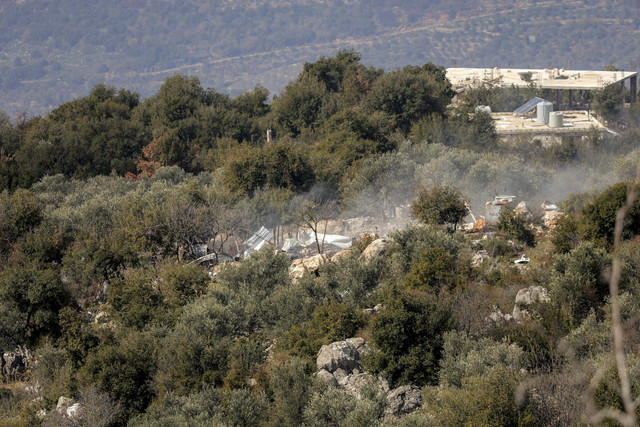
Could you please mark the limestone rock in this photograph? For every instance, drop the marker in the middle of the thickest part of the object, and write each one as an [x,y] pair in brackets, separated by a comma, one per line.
[296,269]
[311,264]
[526,297]
[342,254]
[327,376]
[74,410]
[100,317]
[375,249]
[339,355]
[374,310]
[340,365]
[522,210]
[355,383]
[403,400]
[340,374]
[360,345]
[64,403]
[498,316]
[532,294]
[479,258]
[551,219]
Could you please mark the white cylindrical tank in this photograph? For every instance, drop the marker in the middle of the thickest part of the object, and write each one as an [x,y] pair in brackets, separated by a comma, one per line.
[556,119]
[483,109]
[543,110]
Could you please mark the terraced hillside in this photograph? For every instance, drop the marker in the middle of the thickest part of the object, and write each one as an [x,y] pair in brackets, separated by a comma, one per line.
[51,52]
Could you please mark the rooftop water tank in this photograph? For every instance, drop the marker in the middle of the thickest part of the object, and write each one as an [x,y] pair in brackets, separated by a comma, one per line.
[556,119]
[483,109]
[544,108]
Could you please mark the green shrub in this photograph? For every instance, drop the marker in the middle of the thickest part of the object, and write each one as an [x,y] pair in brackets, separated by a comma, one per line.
[598,218]
[439,205]
[330,323]
[464,357]
[135,301]
[435,269]
[124,370]
[411,242]
[565,235]
[482,400]
[290,385]
[182,283]
[196,352]
[408,338]
[513,226]
[578,283]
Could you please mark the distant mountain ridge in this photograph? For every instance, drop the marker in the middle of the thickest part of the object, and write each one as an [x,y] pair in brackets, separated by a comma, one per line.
[51,52]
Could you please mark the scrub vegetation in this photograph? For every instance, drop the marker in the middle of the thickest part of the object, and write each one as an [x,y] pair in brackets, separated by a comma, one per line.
[106,198]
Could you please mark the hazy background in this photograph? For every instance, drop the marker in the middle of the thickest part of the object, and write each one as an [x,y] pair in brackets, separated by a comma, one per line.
[53,51]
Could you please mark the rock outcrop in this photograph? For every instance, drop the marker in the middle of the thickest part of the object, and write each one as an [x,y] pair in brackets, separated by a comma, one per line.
[374,310]
[479,257]
[526,297]
[402,400]
[498,316]
[522,210]
[63,404]
[340,255]
[345,355]
[68,408]
[551,219]
[340,365]
[375,249]
[309,264]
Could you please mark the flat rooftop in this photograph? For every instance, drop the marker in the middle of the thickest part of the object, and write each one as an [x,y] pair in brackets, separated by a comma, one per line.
[550,78]
[575,122]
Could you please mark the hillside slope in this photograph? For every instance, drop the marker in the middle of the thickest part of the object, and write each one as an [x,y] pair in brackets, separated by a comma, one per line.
[51,52]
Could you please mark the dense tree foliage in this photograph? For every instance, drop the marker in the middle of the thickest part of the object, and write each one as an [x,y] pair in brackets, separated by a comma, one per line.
[439,206]
[409,338]
[599,216]
[102,274]
[513,226]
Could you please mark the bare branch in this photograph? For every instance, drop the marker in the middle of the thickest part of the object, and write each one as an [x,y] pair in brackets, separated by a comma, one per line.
[616,318]
[608,413]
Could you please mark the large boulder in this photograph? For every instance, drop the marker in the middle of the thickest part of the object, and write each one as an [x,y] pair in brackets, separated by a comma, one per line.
[327,376]
[340,365]
[309,264]
[74,411]
[403,400]
[357,382]
[64,403]
[526,297]
[346,355]
[522,210]
[340,255]
[479,257]
[375,249]
[551,219]
[374,310]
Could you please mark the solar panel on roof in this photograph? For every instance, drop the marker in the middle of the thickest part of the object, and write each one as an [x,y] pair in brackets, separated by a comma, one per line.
[528,106]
